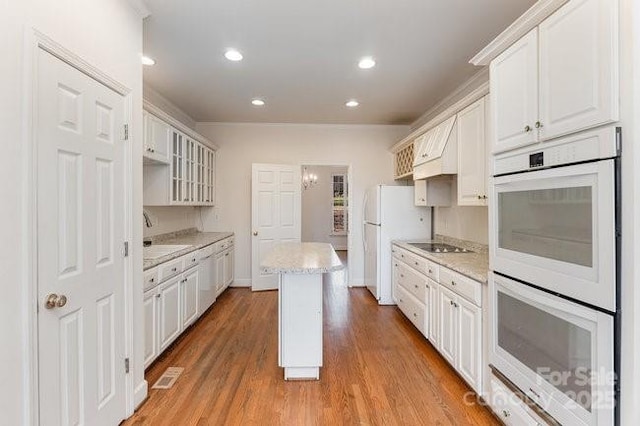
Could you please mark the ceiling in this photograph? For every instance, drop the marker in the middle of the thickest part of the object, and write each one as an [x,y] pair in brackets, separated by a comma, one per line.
[301,56]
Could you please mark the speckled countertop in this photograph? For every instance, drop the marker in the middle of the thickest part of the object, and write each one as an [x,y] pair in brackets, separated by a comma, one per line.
[474,265]
[196,240]
[301,258]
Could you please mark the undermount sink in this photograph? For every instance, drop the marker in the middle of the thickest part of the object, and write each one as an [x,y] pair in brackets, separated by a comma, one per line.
[156,251]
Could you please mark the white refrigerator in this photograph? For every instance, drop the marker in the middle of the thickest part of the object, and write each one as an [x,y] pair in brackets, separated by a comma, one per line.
[389,214]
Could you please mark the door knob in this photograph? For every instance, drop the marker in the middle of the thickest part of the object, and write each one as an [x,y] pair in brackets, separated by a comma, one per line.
[53,301]
[255,233]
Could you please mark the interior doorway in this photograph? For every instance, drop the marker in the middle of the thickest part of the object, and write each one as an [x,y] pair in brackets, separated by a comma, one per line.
[325,208]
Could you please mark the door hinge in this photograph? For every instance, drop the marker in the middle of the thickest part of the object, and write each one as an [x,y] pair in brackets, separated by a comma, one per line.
[126,249]
[126,132]
[126,365]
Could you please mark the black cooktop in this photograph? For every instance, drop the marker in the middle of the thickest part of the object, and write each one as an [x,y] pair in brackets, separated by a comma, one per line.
[439,248]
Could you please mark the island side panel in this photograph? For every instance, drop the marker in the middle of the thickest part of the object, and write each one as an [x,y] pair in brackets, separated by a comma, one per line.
[300,325]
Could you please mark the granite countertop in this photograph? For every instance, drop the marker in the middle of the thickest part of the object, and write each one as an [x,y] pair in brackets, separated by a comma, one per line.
[301,258]
[191,237]
[474,265]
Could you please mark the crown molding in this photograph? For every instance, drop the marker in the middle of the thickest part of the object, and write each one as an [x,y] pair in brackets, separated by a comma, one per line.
[152,109]
[521,26]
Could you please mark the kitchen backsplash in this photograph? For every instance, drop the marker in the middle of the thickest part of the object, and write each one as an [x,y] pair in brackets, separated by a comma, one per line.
[170,219]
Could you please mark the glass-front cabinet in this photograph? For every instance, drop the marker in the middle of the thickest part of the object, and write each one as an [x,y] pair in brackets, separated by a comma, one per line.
[339,204]
[192,171]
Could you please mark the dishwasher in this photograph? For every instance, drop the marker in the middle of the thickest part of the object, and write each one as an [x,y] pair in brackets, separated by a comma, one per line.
[207,279]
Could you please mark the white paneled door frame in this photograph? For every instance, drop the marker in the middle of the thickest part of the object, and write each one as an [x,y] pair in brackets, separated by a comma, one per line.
[35,44]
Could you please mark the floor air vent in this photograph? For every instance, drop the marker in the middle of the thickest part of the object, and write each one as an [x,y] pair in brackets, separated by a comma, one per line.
[168,378]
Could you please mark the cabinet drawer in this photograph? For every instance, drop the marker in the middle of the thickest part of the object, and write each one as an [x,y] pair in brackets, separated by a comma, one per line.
[223,244]
[411,280]
[432,270]
[461,285]
[411,308]
[151,279]
[170,269]
[191,259]
[508,407]
[206,251]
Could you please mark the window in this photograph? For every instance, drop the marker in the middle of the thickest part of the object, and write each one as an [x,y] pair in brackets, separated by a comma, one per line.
[339,204]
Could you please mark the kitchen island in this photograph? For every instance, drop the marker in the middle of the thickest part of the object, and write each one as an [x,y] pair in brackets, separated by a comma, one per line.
[302,269]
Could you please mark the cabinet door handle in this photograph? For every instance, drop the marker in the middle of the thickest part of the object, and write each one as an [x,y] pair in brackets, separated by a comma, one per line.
[226,254]
[453,282]
[401,275]
[415,285]
[415,315]
[430,271]
[484,197]
[538,124]
[451,302]
[527,128]
[479,197]
[416,263]
[157,296]
[506,413]
[455,305]
[174,269]
[152,280]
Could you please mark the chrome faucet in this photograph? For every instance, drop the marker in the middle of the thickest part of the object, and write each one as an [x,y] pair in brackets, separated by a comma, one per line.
[147,219]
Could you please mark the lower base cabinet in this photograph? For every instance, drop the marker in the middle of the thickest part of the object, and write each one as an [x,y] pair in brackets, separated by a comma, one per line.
[189,296]
[169,320]
[451,321]
[509,408]
[150,309]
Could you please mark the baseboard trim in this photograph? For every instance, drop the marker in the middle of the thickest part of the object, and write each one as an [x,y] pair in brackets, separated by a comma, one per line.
[241,282]
[140,394]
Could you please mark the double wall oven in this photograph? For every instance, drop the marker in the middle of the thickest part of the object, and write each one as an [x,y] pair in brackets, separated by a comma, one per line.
[554,219]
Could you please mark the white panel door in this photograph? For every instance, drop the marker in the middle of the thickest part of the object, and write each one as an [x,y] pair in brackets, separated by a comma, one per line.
[275,215]
[220,273]
[431,305]
[169,319]
[469,355]
[578,67]
[448,325]
[189,297]
[472,177]
[514,94]
[80,219]
[150,309]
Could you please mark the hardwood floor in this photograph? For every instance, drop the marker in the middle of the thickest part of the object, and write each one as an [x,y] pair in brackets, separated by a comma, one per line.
[378,370]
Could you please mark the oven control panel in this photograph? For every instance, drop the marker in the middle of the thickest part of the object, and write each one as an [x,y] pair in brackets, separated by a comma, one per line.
[591,145]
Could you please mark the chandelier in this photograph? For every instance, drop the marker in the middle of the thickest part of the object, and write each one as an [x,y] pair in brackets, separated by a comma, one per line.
[308,179]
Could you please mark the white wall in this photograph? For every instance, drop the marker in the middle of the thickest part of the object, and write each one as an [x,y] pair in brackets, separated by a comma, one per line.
[317,212]
[107,34]
[364,148]
[462,222]
[171,218]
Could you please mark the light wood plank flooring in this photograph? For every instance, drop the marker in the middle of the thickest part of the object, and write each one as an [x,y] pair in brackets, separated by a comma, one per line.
[378,370]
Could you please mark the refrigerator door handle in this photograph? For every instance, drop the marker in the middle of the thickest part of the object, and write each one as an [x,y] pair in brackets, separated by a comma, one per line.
[364,220]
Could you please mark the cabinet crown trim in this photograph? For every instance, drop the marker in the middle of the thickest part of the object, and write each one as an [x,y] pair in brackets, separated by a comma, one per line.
[154,110]
[469,99]
[521,26]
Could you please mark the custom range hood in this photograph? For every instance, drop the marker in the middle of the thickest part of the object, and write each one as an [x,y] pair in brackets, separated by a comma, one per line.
[436,151]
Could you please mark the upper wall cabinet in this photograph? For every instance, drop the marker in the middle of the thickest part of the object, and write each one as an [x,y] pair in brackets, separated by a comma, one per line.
[562,77]
[186,178]
[156,139]
[472,157]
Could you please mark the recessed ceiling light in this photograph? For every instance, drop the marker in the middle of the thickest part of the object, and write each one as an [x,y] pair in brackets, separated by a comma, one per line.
[147,61]
[257,102]
[366,63]
[352,103]
[233,55]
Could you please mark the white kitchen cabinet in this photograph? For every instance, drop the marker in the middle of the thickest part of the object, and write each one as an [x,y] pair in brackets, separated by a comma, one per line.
[229,264]
[156,139]
[513,79]
[186,177]
[189,297]
[578,67]
[509,408]
[150,318]
[560,78]
[472,158]
[448,325]
[469,333]
[432,296]
[432,192]
[169,317]
[220,273]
